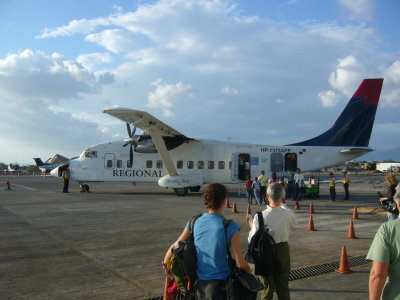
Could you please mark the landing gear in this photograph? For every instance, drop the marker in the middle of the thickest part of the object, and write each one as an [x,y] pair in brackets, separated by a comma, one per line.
[195,188]
[84,188]
[181,191]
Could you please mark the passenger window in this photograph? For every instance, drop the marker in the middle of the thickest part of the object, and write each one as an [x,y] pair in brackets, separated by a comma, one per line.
[159,164]
[211,164]
[221,164]
[128,164]
[190,164]
[109,163]
[179,164]
[230,165]
[200,164]
[119,163]
[149,164]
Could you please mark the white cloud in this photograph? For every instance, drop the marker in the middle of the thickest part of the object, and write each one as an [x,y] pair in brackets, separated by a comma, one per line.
[229,90]
[82,26]
[329,98]
[50,78]
[164,95]
[391,86]
[114,40]
[361,9]
[90,60]
[279,100]
[347,75]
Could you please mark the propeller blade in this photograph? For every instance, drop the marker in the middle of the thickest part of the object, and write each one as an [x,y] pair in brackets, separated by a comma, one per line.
[131,154]
[128,127]
[133,131]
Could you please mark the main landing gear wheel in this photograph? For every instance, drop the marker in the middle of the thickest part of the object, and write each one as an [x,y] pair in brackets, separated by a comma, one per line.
[195,188]
[181,191]
[84,188]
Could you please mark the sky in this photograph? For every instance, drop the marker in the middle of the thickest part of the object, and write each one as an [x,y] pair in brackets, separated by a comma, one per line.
[270,72]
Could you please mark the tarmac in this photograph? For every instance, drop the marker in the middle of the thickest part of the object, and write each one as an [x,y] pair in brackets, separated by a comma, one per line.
[109,243]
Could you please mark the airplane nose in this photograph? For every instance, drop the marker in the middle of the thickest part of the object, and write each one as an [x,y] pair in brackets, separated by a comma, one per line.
[54,172]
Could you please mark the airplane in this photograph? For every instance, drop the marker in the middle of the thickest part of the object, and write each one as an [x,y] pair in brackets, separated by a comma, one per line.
[164,155]
[51,163]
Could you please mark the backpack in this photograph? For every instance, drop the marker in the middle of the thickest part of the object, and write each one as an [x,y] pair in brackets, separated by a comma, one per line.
[261,251]
[184,262]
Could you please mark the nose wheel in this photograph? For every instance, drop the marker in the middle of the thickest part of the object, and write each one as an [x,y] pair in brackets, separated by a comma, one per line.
[181,191]
[84,188]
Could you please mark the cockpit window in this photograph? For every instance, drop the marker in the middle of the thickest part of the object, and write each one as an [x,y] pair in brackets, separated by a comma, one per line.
[89,153]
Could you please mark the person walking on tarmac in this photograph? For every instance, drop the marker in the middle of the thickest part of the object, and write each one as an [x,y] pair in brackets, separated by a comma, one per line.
[65,176]
[280,220]
[249,189]
[346,181]
[290,183]
[332,187]
[256,189]
[298,185]
[262,179]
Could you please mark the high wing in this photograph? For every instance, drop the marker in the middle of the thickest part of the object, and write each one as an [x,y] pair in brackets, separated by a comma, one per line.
[152,126]
[143,120]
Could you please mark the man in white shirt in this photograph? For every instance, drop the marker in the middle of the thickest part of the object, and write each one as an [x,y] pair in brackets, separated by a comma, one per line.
[298,185]
[280,221]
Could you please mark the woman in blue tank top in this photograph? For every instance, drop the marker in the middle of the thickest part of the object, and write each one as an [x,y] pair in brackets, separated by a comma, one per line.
[210,242]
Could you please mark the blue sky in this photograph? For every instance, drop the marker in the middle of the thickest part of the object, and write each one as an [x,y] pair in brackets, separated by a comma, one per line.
[263,71]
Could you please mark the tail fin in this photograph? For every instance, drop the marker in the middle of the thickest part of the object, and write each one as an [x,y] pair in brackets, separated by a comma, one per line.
[354,125]
[38,162]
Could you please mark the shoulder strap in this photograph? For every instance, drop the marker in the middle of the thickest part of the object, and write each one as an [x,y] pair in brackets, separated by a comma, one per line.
[231,262]
[193,221]
[260,220]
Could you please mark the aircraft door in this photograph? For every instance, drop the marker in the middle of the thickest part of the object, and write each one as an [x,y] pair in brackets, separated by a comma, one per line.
[240,166]
[291,162]
[109,161]
[244,166]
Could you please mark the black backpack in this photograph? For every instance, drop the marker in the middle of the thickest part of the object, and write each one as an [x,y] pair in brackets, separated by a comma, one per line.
[261,250]
[184,262]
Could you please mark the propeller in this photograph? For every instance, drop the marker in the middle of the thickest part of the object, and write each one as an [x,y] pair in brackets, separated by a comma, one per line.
[131,140]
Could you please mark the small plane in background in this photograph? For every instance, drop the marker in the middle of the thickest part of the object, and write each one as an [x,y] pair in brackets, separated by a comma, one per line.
[51,163]
[164,155]
[9,170]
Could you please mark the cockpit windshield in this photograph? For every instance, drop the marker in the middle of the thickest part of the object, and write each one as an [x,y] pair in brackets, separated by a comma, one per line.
[89,153]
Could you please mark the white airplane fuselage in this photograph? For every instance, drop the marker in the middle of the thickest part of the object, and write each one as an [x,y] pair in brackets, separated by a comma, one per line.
[210,160]
[164,155]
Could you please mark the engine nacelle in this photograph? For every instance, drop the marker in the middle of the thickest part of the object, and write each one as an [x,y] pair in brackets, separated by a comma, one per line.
[180,181]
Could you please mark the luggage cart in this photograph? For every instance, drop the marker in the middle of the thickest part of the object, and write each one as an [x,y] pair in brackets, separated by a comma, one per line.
[311,185]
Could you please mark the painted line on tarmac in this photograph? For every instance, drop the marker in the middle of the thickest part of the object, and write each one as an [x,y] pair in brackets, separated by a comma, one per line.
[25,187]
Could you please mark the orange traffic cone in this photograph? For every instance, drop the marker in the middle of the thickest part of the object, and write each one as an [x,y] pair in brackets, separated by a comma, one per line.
[351,234]
[344,263]
[168,296]
[311,211]
[227,203]
[296,206]
[311,224]
[355,213]
[234,209]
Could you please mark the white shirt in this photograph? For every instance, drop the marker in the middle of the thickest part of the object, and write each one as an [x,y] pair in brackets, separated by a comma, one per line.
[280,221]
[299,178]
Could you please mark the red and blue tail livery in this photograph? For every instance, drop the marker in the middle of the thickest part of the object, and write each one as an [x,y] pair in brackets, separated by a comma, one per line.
[354,125]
